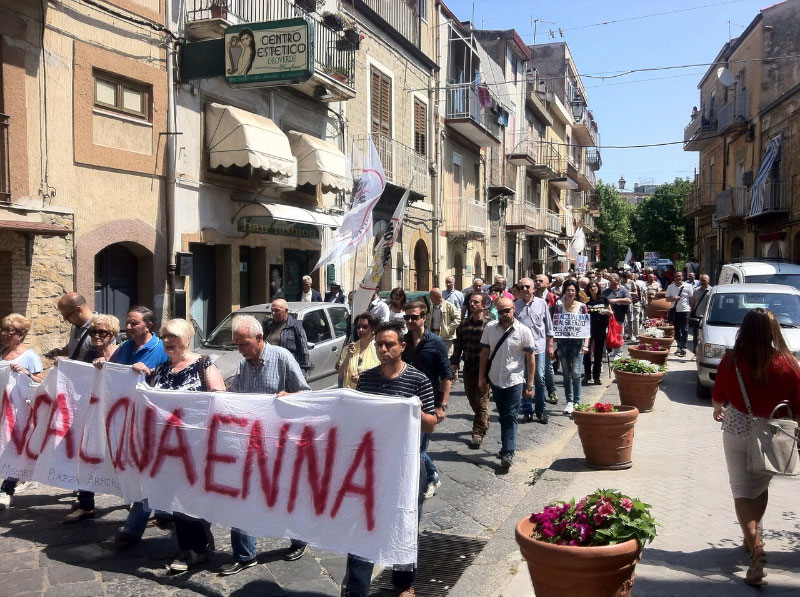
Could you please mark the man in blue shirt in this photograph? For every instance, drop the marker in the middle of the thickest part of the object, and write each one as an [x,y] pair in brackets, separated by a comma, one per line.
[140,347]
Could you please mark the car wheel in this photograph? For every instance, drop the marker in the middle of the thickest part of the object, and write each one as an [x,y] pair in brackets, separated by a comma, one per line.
[702,391]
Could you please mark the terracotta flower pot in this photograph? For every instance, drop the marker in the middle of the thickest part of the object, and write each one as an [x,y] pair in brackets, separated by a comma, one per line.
[607,438]
[665,343]
[659,357]
[560,570]
[669,330]
[638,389]
[658,306]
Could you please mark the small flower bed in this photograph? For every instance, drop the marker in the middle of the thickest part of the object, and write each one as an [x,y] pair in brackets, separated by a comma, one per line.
[605,517]
[597,407]
[652,332]
[655,322]
[653,347]
[631,365]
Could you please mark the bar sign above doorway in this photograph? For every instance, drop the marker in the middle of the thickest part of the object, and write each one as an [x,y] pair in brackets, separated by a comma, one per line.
[268,225]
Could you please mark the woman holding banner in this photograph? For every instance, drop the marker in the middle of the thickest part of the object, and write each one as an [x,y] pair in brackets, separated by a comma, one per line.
[185,371]
[573,345]
[599,313]
[359,356]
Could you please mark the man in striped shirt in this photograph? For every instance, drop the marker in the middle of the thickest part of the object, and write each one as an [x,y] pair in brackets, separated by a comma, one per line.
[392,378]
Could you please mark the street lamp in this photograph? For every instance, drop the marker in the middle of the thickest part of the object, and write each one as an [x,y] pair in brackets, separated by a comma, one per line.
[578,105]
[621,182]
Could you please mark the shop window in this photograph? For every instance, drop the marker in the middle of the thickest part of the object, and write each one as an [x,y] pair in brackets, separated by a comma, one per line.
[121,95]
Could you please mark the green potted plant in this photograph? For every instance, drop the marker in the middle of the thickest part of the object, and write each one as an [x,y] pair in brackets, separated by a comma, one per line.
[340,73]
[334,20]
[663,325]
[638,382]
[651,334]
[351,37]
[586,547]
[655,352]
[606,433]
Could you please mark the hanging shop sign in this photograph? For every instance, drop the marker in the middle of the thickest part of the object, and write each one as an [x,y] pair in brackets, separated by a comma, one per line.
[273,53]
[268,225]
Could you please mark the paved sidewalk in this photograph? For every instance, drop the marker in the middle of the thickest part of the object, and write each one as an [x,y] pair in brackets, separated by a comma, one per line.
[679,468]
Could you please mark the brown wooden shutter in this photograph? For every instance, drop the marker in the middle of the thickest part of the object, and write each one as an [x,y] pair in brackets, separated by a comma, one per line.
[420,127]
[381,103]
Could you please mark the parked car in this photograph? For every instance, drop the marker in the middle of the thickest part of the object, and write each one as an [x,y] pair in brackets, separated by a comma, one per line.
[325,324]
[726,307]
[764,272]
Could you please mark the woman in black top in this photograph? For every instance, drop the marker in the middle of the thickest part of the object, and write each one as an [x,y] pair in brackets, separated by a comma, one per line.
[599,312]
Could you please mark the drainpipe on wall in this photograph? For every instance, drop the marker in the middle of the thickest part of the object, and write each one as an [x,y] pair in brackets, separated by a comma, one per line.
[169,298]
[434,171]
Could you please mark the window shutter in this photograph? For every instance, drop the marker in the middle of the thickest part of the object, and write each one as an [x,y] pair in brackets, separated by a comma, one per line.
[420,127]
[381,103]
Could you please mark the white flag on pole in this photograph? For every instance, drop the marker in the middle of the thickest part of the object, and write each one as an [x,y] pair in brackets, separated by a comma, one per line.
[629,256]
[356,226]
[578,243]
[383,255]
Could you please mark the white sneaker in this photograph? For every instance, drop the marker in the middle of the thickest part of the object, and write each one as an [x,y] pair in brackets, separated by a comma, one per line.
[25,486]
[5,500]
[569,408]
[432,487]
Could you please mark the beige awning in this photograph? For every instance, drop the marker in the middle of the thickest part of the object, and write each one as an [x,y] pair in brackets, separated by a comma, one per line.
[319,162]
[238,137]
[291,213]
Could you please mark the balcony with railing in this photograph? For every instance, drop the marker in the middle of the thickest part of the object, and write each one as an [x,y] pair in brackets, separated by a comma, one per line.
[403,166]
[587,221]
[776,199]
[402,16]
[567,224]
[524,215]
[586,177]
[465,114]
[593,159]
[733,203]
[700,200]
[334,55]
[585,129]
[699,132]
[5,167]
[464,216]
[536,94]
[733,115]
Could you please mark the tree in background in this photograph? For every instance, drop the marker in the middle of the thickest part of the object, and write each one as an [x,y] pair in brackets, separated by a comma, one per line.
[658,223]
[614,223]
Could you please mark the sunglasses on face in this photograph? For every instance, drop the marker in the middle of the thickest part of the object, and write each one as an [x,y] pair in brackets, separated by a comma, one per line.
[412,317]
[100,333]
[525,287]
[504,311]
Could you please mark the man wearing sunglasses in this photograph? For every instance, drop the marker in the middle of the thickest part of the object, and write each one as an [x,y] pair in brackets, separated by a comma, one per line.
[427,352]
[533,312]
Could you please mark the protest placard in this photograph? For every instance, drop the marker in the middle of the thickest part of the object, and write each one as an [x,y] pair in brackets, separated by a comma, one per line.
[651,258]
[338,469]
[580,264]
[571,325]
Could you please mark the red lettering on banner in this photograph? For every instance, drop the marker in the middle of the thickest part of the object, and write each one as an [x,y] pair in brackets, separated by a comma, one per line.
[213,456]
[61,409]
[365,452]
[255,450]
[38,401]
[306,450]
[17,436]
[181,451]
[81,454]
[141,458]
[116,459]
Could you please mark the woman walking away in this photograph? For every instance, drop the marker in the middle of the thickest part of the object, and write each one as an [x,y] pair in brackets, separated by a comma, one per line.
[770,374]
[599,314]
[397,306]
[186,371]
[13,329]
[360,355]
[571,350]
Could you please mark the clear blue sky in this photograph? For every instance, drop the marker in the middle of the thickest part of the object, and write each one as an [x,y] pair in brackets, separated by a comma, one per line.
[641,108]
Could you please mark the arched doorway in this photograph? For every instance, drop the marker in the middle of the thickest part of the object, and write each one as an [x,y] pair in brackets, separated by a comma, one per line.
[477,271]
[458,270]
[421,279]
[115,280]
[737,248]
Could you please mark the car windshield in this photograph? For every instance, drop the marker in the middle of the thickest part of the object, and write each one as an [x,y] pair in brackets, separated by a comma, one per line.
[222,338]
[729,308]
[788,279]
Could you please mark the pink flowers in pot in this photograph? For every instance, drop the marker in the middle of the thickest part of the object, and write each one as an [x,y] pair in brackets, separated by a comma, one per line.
[654,346]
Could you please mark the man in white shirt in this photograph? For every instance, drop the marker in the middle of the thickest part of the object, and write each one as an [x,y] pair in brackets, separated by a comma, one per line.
[509,367]
[690,279]
[451,295]
[379,308]
[680,293]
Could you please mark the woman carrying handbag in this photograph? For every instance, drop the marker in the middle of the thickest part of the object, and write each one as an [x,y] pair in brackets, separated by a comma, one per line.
[752,380]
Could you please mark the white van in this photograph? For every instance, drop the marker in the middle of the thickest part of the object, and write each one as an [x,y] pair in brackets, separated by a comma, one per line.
[725,309]
[760,272]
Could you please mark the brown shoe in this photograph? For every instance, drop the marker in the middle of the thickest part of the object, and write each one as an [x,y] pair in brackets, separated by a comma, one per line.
[475,443]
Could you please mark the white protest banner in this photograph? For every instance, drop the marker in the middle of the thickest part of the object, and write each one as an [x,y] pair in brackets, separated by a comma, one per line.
[651,258]
[338,469]
[580,264]
[571,325]
[383,255]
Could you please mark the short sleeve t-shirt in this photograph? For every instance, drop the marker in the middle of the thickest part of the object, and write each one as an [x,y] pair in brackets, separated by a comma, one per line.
[29,360]
[683,292]
[411,382]
[620,311]
[508,366]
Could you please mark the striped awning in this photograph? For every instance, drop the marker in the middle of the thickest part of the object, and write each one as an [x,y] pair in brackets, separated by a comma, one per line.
[760,183]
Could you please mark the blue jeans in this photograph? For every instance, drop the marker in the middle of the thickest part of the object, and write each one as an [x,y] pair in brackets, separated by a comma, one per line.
[507,401]
[137,519]
[244,545]
[539,386]
[358,574]
[550,377]
[431,473]
[571,365]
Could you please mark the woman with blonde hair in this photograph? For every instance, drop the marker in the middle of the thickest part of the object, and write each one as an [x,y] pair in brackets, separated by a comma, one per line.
[769,375]
[13,330]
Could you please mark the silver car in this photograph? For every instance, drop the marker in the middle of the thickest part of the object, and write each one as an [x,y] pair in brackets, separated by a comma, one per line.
[325,324]
[726,307]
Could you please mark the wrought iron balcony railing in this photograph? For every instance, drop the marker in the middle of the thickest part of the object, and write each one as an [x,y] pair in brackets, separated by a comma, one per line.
[401,163]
